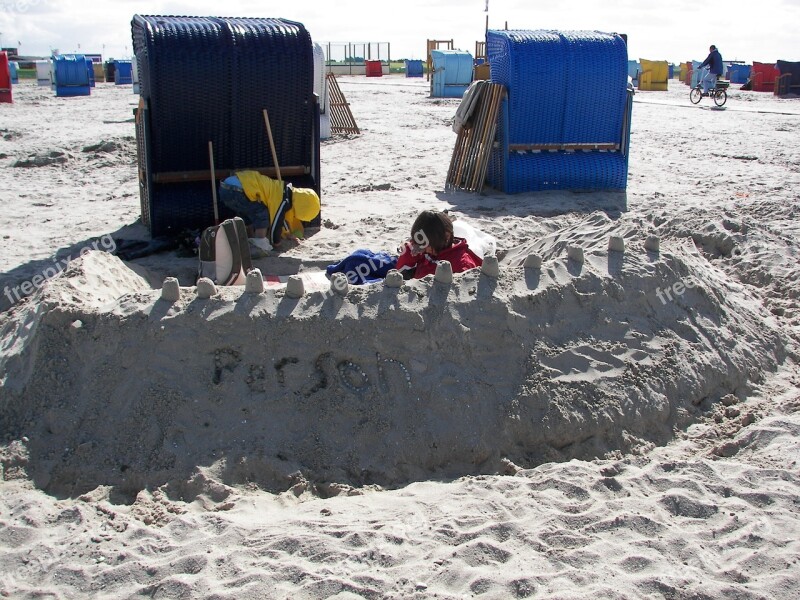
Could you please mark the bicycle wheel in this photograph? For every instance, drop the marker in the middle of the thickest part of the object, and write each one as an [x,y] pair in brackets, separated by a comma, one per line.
[720,97]
[695,95]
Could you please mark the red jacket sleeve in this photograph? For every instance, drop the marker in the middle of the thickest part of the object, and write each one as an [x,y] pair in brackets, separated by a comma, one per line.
[406,260]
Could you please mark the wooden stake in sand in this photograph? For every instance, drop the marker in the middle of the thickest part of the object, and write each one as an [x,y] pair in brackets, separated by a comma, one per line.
[213,181]
[342,120]
[272,145]
[473,146]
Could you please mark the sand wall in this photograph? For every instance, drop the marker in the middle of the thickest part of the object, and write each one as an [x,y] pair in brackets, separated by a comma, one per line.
[384,386]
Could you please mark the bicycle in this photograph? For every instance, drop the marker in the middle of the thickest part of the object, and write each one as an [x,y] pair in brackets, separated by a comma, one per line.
[719,94]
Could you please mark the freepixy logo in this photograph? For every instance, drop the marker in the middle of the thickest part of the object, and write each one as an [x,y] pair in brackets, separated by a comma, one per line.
[26,288]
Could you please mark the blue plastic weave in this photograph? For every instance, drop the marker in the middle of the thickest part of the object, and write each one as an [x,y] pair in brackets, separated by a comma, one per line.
[210,79]
[564,88]
[71,76]
[739,73]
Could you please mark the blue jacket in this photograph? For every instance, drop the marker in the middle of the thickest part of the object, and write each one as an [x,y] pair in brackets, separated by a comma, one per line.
[714,62]
[364,266]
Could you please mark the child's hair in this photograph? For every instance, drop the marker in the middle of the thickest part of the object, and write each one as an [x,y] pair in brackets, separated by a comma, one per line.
[432,228]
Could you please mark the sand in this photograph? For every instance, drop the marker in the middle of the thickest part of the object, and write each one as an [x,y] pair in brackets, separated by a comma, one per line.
[616,424]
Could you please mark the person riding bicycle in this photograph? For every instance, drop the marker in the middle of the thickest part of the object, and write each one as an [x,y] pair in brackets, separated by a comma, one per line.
[714,63]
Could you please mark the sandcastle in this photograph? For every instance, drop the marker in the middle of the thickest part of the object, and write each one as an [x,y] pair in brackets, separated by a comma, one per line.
[569,357]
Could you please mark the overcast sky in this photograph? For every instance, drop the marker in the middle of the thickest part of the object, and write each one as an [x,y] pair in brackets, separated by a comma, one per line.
[676,31]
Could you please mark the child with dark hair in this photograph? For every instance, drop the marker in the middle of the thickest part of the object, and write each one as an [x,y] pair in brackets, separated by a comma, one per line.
[432,240]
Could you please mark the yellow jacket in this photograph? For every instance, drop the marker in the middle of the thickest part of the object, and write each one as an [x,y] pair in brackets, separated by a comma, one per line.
[302,205]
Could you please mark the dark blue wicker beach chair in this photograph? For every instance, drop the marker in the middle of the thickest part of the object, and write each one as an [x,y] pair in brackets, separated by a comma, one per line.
[565,123]
[209,79]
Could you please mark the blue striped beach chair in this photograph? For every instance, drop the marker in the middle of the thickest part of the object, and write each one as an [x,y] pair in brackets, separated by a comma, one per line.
[565,123]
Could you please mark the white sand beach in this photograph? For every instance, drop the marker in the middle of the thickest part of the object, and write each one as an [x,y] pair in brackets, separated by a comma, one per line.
[622,426]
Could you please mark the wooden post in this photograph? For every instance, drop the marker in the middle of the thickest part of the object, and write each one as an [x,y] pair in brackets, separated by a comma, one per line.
[272,145]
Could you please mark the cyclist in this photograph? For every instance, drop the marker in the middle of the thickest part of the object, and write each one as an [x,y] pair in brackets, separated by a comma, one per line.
[714,63]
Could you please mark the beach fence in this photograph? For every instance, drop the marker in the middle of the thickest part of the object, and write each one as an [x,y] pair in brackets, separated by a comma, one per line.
[351,58]
[207,84]
[452,73]
[552,133]
[6,95]
[70,75]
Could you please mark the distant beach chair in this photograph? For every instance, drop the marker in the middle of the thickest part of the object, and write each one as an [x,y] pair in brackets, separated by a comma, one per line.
[44,72]
[109,67]
[90,71]
[373,68]
[123,72]
[654,75]
[633,71]
[788,82]
[763,76]
[70,75]
[738,73]
[414,68]
[565,123]
[6,95]
[695,74]
[452,73]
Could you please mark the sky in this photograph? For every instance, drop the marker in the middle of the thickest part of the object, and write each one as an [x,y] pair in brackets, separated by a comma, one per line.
[676,31]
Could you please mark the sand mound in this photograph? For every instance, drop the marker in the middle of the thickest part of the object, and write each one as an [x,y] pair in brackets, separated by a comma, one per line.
[44,159]
[113,386]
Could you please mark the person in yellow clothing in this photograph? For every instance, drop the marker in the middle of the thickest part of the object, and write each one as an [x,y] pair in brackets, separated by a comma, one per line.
[271,209]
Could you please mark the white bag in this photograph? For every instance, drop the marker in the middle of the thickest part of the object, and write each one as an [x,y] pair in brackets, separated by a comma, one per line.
[480,242]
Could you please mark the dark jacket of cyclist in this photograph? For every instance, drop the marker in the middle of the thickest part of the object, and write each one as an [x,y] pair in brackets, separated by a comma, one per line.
[713,61]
